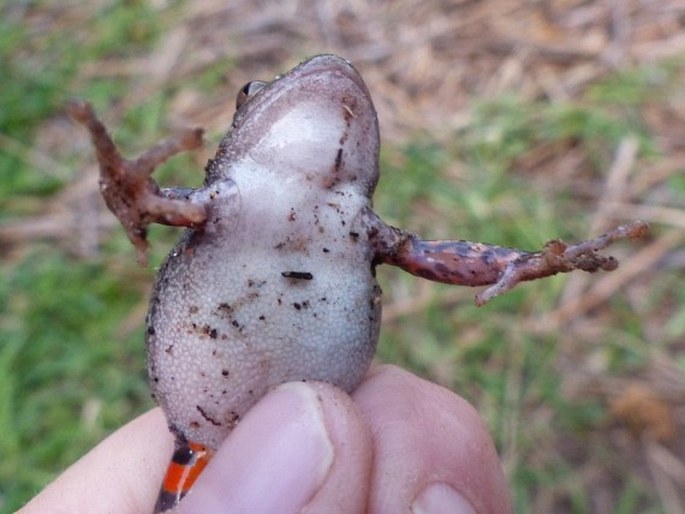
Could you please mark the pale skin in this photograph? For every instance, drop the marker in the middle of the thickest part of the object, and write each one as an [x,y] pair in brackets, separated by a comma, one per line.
[397,444]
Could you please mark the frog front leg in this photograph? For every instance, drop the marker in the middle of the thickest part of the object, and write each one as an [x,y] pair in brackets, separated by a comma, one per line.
[128,188]
[137,200]
[477,264]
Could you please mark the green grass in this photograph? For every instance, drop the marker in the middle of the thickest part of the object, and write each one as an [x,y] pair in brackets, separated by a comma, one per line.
[71,337]
[69,376]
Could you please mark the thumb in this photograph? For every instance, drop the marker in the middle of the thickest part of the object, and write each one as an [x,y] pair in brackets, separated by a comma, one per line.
[302,446]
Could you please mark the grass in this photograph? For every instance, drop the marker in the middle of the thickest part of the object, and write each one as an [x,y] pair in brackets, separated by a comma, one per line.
[71,337]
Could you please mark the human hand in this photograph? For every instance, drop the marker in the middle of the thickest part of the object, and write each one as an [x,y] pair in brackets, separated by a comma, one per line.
[399,444]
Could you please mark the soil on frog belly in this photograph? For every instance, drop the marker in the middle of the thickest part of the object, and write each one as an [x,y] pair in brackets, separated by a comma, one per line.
[298,275]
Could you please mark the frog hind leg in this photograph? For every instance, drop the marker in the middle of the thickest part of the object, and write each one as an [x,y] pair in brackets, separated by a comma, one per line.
[187,463]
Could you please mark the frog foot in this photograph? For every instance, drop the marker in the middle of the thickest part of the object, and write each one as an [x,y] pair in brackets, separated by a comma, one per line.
[127,186]
[558,257]
[187,463]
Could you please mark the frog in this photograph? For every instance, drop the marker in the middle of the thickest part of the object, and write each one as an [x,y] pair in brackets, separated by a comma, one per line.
[274,277]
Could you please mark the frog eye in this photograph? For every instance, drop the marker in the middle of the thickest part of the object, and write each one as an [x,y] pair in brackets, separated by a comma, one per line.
[248,91]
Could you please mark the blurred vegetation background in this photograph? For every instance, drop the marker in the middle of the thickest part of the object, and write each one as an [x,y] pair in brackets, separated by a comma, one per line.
[511,122]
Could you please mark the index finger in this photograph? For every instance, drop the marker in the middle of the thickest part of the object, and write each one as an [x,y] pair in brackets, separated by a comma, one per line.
[121,474]
[432,452]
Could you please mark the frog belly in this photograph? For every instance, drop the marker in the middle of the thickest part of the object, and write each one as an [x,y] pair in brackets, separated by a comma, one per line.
[223,335]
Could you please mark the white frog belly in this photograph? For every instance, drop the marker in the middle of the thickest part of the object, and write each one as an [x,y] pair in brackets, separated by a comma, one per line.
[213,351]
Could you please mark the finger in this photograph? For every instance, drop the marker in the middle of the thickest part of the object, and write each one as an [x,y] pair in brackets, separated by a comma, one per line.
[121,474]
[303,445]
[432,452]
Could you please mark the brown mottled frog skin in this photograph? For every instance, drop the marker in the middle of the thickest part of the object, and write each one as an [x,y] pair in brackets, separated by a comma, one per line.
[274,280]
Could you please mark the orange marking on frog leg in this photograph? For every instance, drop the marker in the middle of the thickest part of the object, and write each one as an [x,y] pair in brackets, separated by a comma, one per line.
[187,463]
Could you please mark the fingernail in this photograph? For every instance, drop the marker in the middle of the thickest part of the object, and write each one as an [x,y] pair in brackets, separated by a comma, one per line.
[275,461]
[441,498]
